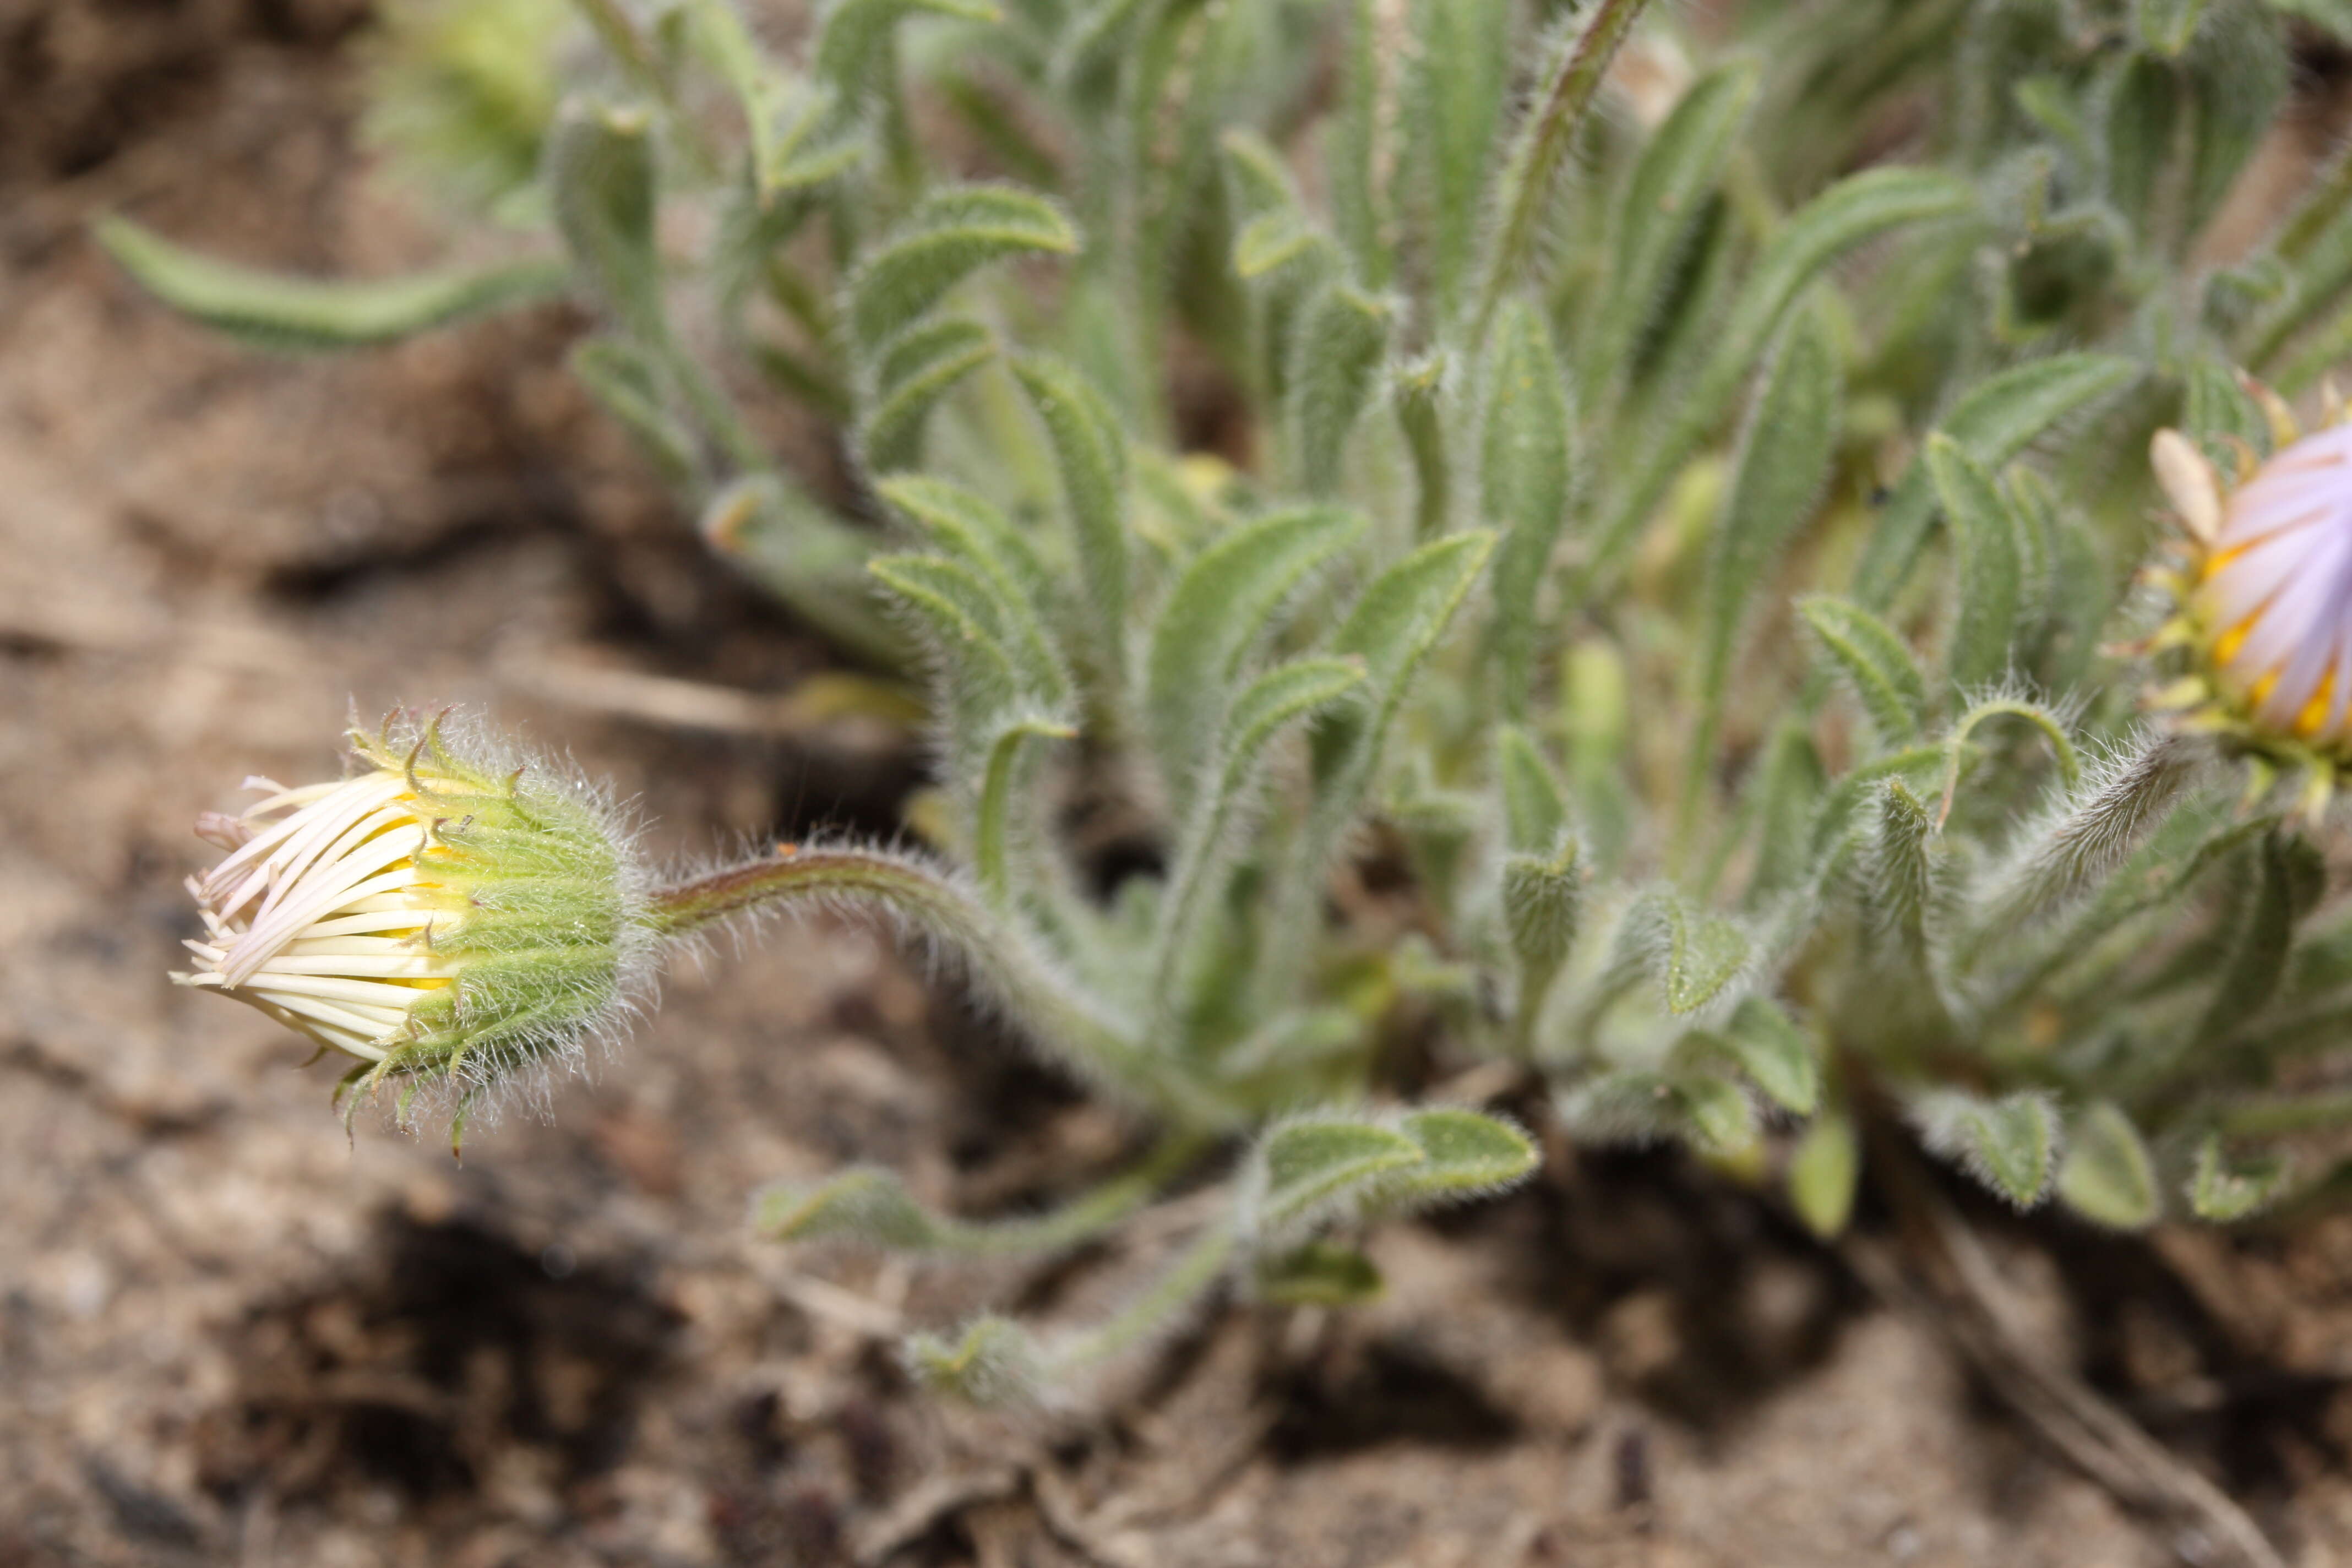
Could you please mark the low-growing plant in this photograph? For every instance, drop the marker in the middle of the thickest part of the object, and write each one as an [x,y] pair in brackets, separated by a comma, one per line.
[1597,542]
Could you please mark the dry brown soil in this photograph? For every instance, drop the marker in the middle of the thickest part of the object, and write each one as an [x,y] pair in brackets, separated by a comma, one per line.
[230,1334]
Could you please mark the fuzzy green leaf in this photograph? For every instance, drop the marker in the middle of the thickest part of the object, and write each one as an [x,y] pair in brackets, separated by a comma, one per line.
[1272,241]
[1715,1114]
[2143,115]
[291,314]
[599,163]
[2011,1145]
[1702,957]
[1662,204]
[866,1204]
[1464,1154]
[1525,441]
[629,384]
[951,234]
[1306,1166]
[1543,900]
[1457,88]
[1319,1274]
[1854,210]
[1786,796]
[1784,456]
[1694,955]
[993,1364]
[2225,1188]
[1535,808]
[2109,1175]
[920,368]
[2166,26]
[1395,623]
[1090,453]
[1993,422]
[1901,875]
[1334,358]
[853,39]
[968,526]
[1002,796]
[1702,1107]
[2287,881]
[2214,406]
[2239,72]
[1362,144]
[988,664]
[2104,818]
[1990,568]
[1225,604]
[1419,393]
[1576,64]
[1823,1173]
[1775,1055]
[1282,696]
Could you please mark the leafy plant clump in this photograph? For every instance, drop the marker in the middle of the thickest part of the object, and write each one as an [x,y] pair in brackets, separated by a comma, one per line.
[1597,542]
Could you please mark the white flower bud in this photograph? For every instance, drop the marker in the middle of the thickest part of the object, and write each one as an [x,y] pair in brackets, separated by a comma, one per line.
[449,915]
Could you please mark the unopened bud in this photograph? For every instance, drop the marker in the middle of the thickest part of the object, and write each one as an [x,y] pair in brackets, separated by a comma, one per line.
[451,915]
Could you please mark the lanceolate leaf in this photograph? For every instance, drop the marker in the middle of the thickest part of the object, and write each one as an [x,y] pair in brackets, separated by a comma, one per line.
[993,1364]
[1660,208]
[1464,1154]
[1791,436]
[2011,1145]
[964,620]
[2226,1187]
[276,311]
[1856,209]
[2286,879]
[1420,395]
[1306,1165]
[969,526]
[1535,808]
[952,233]
[1874,664]
[626,379]
[1091,452]
[1543,900]
[1775,1055]
[853,39]
[2109,1175]
[1823,1174]
[1991,571]
[1319,1274]
[600,162]
[1335,359]
[1524,483]
[1457,89]
[1993,422]
[1396,622]
[918,369]
[1223,605]
[1900,872]
[1693,954]
[1282,696]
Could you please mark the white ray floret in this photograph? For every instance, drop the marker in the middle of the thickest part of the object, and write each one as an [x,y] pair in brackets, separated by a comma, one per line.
[324,916]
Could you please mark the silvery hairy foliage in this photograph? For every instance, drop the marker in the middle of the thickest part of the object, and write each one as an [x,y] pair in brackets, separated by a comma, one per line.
[1602,540]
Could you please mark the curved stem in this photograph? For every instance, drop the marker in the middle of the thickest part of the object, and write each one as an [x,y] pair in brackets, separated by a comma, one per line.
[1192,1273]
[999,954]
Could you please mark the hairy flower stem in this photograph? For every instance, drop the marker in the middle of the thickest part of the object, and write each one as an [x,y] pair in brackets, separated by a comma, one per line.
[1527,183]
[999,955]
